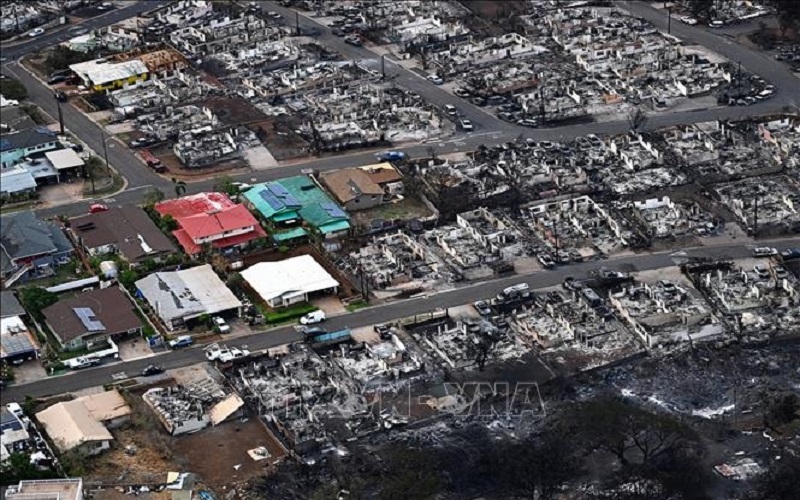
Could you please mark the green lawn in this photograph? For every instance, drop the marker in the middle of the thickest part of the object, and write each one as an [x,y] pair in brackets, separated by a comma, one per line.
[355,306]
[283,315]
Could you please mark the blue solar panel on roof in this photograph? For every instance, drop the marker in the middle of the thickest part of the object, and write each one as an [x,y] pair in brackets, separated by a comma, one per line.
[333,210]
[17,344]
[271,200]
[88,318]
[291,201]
[278,189]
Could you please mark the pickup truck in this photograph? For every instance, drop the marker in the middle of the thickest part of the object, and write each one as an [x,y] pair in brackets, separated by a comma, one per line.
[82,362]
[220,325]
[223,354]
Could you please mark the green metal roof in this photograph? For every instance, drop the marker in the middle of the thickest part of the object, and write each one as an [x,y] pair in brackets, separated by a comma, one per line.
[287,198]
[291,234]
[333,227]
[284,216]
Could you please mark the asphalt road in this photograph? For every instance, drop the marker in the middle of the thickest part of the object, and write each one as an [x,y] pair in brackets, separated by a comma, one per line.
[761,63]
[25,45]
[489,129]
[377,314]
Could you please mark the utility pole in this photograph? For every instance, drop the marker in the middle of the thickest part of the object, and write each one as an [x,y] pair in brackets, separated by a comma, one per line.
[60,116]
[557,223]
[87,171]
[105,150]
[16,17]
[755,217]
[669,20]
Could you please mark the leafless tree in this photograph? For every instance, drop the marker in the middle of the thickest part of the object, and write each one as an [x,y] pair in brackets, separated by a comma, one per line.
[637,119]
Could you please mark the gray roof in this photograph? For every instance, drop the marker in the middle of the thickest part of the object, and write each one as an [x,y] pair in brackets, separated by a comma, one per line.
[22,234]
[16,180]
[16,119]
[128,227]
[26,139]
[187,293]
[9,305]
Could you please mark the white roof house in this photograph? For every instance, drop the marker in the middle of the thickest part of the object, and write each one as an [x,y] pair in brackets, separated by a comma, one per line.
[101,72]
[64,158]
[179,296]
[288,281]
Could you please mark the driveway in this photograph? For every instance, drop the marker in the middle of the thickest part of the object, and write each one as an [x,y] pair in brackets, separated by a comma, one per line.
[61,194]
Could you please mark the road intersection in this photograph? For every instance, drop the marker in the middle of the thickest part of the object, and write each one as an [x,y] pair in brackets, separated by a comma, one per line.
[489,130]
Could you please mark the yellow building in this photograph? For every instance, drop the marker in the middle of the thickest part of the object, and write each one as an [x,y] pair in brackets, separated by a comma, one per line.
[101,75]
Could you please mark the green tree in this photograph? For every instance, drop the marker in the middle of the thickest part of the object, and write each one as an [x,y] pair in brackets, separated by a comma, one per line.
[168,223]
[35,299]
[13,89]
[180,187]
[94,164]
[153,196]
[61,57]
[128,279]
[226,185]
[18,468]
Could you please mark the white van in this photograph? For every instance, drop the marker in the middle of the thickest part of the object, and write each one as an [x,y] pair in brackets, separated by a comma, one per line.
[317,316]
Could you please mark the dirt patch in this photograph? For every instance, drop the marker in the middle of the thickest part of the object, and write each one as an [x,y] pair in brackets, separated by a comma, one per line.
[143,453]
[277,135]
[491,9]
[409,208]
[176,169]
[213,453]
[232,111]
[144,464]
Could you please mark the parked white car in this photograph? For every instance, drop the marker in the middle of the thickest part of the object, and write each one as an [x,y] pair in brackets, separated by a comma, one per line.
[764,252]
[36,32]
[220,325]
[435,79]
[233,354]
[214,352]
[313,317]
[82,362]
[689,20]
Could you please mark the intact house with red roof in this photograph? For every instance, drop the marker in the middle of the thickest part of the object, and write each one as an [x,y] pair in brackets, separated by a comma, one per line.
[211,218]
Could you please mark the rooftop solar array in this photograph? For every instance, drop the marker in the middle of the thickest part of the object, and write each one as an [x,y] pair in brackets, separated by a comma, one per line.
[14,345]
[333,210]
[271,200]
[283,194]
[89,319]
